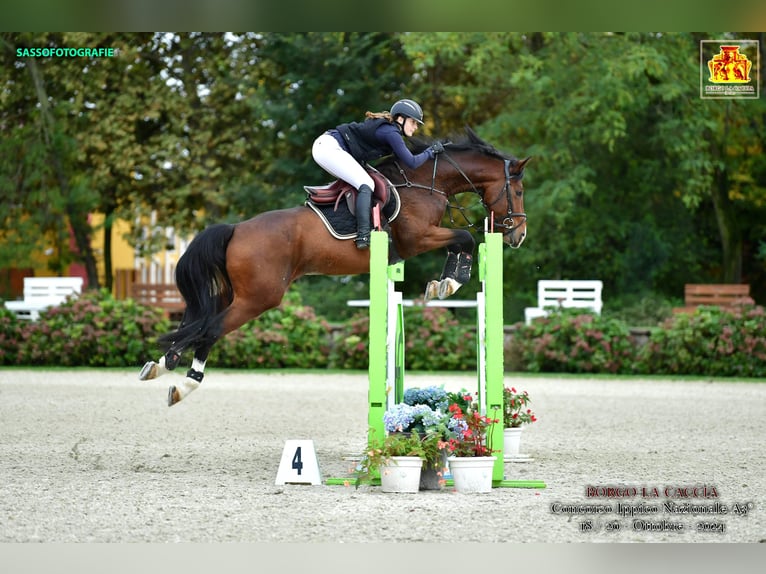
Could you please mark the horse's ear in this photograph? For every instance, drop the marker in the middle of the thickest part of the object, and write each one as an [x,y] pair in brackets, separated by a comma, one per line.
[521,164]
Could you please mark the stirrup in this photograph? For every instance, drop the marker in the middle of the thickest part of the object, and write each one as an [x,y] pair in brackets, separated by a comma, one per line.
[363,242]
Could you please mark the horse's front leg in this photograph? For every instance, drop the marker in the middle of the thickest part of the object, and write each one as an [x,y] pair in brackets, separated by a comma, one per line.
[457,268]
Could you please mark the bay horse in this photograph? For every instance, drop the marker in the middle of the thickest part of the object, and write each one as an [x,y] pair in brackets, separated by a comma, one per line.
[232,273]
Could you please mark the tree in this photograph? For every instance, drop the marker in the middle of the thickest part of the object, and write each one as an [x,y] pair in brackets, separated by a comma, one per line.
[624,152]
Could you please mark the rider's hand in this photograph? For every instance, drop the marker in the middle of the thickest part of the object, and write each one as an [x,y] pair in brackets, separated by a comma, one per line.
[437,147]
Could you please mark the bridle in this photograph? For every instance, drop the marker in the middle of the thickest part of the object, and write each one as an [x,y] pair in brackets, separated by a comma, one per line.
[506,225]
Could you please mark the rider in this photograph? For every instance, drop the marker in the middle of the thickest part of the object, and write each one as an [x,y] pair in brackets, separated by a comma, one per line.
[342,151]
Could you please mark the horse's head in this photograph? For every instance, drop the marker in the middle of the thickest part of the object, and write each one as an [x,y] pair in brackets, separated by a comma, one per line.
[506,206]
[497,179]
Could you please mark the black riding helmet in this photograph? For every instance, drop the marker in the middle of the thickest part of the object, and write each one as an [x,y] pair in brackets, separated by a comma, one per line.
[408,109]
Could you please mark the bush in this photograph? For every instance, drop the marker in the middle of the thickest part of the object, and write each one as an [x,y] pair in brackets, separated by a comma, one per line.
[644,310]
[9,337]
[289,336]
[433,341]
[92,330]
[570,341]
[711,341]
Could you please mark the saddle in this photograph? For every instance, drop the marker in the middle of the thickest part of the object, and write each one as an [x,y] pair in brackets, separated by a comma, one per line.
[333,193]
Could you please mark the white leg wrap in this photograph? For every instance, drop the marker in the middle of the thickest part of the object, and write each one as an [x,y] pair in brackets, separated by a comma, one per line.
[186,386]
[161,367]
[198,365]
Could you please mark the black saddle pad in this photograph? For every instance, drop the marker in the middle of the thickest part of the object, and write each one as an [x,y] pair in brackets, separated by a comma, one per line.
[341,223]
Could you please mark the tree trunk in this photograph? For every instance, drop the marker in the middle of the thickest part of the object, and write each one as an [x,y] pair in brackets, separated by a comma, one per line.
[77,219]
[731,235]
[108,272]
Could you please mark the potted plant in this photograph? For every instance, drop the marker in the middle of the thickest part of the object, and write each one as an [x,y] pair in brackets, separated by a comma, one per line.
[431,427]
[431,423]
[412,430]
[397,459]
[471,461]
[515,414]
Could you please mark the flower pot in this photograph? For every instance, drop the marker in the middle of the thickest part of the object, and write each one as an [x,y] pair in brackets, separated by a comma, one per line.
[472,474]
[401,475]
[432,475]
[511,441]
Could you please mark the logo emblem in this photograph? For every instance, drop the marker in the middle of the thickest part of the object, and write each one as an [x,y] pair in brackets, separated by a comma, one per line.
[729,69]
[729,66]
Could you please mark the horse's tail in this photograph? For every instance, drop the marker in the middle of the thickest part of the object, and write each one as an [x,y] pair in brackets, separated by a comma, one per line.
[204,283]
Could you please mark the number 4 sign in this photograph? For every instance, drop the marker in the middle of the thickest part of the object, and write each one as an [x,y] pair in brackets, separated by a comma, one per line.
[299,464]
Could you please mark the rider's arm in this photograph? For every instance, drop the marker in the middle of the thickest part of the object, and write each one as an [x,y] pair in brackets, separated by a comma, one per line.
[391,136]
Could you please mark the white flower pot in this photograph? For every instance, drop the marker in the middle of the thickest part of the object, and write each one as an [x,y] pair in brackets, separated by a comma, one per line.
[472,474]
[511,441]
[402,474]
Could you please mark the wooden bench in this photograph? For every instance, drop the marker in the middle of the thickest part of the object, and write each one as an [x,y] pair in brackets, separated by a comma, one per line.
[163,295]
[582,294]
[40,293]
[718,294]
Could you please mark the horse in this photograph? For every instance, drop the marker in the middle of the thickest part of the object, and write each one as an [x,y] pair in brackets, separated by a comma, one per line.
[232,273]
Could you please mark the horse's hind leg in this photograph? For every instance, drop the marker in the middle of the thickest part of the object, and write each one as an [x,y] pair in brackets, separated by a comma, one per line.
[152,370]
[193,379]
[236,316]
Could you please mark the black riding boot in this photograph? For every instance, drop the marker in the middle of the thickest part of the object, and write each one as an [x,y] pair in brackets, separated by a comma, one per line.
[363,204]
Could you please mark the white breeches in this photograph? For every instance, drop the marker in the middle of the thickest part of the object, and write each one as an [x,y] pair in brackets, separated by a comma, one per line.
[338,162]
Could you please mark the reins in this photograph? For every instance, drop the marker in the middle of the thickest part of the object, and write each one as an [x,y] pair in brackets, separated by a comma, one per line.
[507,223]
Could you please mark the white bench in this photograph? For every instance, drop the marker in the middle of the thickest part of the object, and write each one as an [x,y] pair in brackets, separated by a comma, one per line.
[569,294]
[43,292]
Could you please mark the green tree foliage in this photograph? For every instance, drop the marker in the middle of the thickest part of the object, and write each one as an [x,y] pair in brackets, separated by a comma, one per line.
[303,84]
[635,179]
[624,184]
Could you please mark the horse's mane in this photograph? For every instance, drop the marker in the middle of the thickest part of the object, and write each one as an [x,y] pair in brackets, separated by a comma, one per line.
[469,141]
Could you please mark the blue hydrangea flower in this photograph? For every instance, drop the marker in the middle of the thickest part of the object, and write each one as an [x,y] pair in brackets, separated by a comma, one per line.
[434,397]
[399,417]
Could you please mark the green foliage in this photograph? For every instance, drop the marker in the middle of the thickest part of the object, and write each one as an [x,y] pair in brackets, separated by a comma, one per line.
[97,330]
[201,127]
[711,341]
[328,294]
[433,340]
[570,341]
[379,452]
[93,330]
[9,337]
[290,336]
[515,411]
[641,310]
[349,349]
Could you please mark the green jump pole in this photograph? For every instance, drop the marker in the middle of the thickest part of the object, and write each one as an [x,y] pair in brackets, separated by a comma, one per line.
[377,334]
[491,275]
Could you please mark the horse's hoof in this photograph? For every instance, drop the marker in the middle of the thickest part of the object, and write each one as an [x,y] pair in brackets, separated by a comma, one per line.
[448,287]
[173,396]
[432,290]
[151,370]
